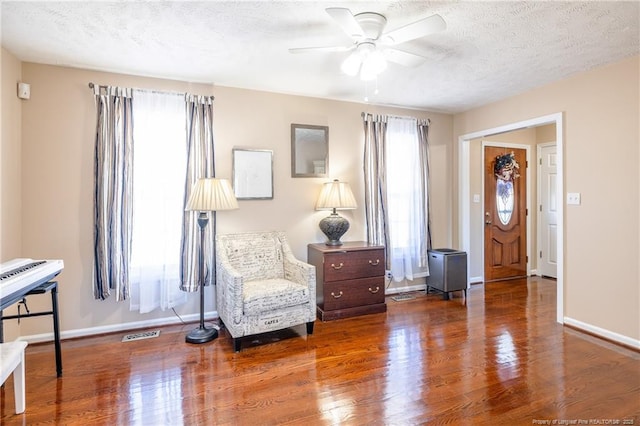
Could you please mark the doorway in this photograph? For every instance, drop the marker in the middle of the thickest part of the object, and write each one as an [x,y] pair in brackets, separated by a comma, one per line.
[464,192]
[506,209]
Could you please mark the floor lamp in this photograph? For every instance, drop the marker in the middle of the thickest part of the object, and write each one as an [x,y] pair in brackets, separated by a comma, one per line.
[208,195]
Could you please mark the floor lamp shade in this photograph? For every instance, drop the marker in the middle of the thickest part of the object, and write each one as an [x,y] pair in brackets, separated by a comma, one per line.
[334,196]
[212,194]
[207,195]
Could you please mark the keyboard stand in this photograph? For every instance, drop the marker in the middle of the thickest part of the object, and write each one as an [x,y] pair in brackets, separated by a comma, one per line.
[51,286]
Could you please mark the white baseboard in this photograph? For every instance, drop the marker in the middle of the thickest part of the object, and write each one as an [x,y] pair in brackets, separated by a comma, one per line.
[610,335]
[114,328]
[476,280]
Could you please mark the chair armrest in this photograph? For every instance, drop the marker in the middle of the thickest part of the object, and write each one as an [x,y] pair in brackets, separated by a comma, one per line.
[227,276]
[300,272]
[229,284]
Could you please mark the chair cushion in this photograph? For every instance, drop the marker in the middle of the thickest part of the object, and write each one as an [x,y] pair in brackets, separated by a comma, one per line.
[268,295]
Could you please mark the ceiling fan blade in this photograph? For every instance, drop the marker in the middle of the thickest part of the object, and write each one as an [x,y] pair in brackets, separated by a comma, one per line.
[421,28]
[403,58]
[346,21]
[321,49]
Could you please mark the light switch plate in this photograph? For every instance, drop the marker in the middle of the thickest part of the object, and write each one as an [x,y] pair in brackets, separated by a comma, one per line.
[573,198]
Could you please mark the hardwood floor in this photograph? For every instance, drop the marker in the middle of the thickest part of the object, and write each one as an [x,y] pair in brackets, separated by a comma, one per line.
[497,358]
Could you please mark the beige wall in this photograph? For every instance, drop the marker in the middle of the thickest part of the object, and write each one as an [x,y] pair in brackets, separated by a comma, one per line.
[57,177]
[10,168]
[601,155]
[55,162]
[246,118]
[10,159]
[546,134]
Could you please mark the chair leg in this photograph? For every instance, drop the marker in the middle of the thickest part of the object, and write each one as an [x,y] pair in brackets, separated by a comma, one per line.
[310,327]
[19,385]
[236,344]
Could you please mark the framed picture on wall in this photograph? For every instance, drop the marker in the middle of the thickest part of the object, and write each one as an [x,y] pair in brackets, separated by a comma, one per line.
[253,174]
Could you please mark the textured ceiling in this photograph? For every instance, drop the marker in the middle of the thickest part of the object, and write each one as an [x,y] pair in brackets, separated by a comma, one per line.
[489,51]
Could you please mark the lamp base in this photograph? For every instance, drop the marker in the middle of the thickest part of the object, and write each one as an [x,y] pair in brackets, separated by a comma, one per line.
[334,227]
[201,335]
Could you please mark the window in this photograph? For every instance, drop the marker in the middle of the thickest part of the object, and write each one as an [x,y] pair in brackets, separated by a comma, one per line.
[504,200]
[159,170]
[406,205]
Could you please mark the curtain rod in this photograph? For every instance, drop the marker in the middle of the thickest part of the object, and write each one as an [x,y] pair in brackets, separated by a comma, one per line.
[420,120]
[92,85]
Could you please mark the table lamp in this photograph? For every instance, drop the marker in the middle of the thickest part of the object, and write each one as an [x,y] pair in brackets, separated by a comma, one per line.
[334,196]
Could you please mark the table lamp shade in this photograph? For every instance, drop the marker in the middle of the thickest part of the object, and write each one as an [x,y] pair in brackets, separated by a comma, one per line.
[336,195]
[211,194]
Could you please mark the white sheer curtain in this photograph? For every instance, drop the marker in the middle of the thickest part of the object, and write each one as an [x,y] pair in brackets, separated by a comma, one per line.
[406,204]
[159,168]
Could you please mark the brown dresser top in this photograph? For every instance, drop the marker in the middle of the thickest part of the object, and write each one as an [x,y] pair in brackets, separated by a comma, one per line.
[346,246]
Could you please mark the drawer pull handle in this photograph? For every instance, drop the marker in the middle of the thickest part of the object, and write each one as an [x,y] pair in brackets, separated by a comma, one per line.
[333,265]
[374,291]
[337,296]
[376,263]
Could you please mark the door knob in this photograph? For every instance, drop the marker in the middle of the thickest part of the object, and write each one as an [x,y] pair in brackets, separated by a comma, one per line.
[487,219]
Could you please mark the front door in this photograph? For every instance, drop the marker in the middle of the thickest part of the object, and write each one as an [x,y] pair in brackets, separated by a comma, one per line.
[505,201]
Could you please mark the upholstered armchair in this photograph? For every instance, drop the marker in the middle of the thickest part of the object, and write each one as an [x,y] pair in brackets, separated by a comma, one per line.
[261,286]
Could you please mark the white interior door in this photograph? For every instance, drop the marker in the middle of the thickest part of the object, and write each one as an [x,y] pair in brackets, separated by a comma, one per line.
[548,243]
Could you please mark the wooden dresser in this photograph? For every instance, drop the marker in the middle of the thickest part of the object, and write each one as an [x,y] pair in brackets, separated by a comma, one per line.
[349,279]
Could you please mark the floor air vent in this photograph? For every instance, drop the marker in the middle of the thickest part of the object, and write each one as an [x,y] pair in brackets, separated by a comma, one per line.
[141,335]
[401,297]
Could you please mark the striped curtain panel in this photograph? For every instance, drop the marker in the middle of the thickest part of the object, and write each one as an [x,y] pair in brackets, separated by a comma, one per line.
[113,189]
[423,153]
[375,187]
[200,164]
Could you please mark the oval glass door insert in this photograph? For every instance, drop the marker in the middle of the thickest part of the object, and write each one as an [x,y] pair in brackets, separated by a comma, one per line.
[504,200]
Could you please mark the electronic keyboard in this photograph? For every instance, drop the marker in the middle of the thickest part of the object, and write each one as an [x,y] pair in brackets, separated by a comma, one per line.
[19,276]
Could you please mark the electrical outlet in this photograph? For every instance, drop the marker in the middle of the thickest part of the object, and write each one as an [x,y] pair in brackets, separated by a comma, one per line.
[388,274]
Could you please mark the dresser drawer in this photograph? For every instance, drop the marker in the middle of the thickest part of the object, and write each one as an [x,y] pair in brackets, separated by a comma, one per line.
[347,294]
[349,279]
[357,264]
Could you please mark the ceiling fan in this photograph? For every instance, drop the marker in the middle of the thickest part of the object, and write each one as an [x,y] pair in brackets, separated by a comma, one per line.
[371,47]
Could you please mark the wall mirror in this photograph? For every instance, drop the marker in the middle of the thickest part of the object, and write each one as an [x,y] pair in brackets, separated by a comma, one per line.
[309,150]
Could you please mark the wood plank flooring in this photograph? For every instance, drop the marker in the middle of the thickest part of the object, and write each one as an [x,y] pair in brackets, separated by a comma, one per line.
[496,358]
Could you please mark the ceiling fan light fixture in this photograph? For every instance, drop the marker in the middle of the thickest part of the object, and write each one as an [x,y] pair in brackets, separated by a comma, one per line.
[372,65]
[365,60]
[371,46]
[351,65]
